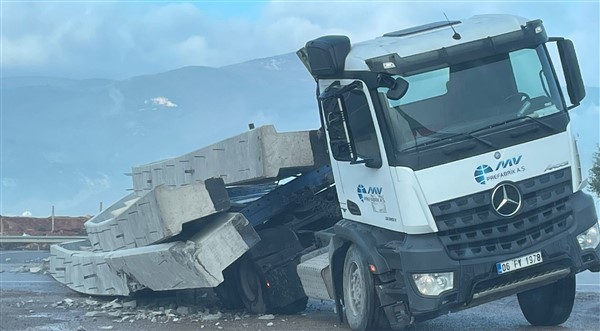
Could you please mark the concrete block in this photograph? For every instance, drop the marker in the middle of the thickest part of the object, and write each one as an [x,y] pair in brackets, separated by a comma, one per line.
[85,271]
[196,263]
[255,156]
[159,214]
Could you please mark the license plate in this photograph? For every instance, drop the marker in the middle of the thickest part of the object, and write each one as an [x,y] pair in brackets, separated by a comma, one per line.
[519,263]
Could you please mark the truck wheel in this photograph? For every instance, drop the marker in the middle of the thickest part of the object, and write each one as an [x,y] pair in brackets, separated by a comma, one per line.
[251,287]
[266,276]
[549,305]
[228,292]
[359,291]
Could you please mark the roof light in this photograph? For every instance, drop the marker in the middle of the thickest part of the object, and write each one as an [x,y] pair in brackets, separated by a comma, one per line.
[389,65]
[538,29]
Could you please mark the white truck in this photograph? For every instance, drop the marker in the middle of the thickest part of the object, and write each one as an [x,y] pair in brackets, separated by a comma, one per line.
[453,179]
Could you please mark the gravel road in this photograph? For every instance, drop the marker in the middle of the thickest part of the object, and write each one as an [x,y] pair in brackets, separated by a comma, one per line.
[34,301]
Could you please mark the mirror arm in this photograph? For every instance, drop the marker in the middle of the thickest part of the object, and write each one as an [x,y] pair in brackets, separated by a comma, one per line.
[368,162]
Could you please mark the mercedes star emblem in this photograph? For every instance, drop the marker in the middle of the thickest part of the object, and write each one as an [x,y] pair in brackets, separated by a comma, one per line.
[506,199]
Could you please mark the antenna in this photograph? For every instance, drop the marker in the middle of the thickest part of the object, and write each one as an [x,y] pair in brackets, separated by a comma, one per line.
[456,35]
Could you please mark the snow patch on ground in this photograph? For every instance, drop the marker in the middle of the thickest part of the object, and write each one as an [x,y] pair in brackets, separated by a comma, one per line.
[273,64]
[161,102]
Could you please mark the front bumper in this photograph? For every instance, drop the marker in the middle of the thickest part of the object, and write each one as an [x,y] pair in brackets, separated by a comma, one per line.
[476,280]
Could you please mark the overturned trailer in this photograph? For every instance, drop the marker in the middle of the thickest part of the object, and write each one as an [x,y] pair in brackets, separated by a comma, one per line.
[212,218]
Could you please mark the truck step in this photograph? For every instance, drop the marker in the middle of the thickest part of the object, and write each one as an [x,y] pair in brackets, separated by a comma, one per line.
[315,275]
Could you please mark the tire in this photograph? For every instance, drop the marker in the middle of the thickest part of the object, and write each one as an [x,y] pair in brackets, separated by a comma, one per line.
[275,259]
[359,291]
[549,305]
[251,287]
[228,292]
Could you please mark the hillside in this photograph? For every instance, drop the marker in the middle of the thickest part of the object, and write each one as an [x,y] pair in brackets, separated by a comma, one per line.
[63,226]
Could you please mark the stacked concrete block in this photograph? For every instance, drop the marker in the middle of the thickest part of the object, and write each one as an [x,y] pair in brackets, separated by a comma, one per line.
[255,156]
[138,242]
[159,214]
[85,271]
[195,263]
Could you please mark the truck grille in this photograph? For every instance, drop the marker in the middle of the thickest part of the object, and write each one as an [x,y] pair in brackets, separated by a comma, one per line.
[469,227]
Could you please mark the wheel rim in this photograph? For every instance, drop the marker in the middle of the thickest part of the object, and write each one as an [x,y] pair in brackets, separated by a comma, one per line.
[250,284]
[356,290]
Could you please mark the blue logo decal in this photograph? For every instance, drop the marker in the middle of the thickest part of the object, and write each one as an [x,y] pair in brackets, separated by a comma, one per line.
[480,173]
[484,173]
[509,163]
[361,191]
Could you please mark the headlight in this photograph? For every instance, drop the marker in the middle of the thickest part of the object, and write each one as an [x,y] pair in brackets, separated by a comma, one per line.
[590,238]
[434,284]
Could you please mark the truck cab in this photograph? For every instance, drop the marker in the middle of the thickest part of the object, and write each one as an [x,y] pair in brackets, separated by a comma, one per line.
[456,171]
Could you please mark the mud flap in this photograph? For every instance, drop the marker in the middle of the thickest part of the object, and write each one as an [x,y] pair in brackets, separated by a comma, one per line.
[284,287]
[277,255]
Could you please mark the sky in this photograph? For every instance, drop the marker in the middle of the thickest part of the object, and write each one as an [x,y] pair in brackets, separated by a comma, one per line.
[120,39]
[123,39]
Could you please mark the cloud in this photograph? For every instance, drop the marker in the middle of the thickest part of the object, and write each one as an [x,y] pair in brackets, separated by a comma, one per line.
[118,40]
[100,182]
[92,189]
[9,182]
[22,51]
[55,157]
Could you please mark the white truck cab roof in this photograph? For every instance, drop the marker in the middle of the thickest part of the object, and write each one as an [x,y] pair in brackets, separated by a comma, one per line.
[431,37]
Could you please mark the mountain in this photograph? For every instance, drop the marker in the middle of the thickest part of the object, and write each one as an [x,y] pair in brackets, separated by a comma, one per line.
[68,142]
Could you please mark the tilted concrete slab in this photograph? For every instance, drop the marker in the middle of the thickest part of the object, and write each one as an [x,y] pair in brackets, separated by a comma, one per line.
[159,214]
[196,263]
[85,271]
[251,157]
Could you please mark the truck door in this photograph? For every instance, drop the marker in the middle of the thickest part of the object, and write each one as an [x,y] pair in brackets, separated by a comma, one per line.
[362,175]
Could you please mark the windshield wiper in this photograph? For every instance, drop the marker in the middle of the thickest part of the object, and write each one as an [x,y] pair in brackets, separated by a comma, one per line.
[448,135]
[541,123]
[471,135]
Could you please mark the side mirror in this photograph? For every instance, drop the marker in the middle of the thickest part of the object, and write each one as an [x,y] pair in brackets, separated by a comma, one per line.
[339,142]
[397,88]
[374,163]
[570,65]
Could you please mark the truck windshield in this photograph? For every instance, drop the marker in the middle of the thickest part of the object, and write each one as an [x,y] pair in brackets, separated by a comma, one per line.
[471,96]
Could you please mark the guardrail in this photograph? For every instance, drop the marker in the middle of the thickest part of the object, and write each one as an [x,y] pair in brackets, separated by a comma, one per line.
[38,239]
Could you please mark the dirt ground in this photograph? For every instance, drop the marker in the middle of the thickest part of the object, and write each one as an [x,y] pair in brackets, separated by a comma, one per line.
[33,226]
[32,300]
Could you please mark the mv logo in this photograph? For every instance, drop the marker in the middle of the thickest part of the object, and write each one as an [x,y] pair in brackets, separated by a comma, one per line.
[509,162]
[375,190]
[484,173]
[362,191]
